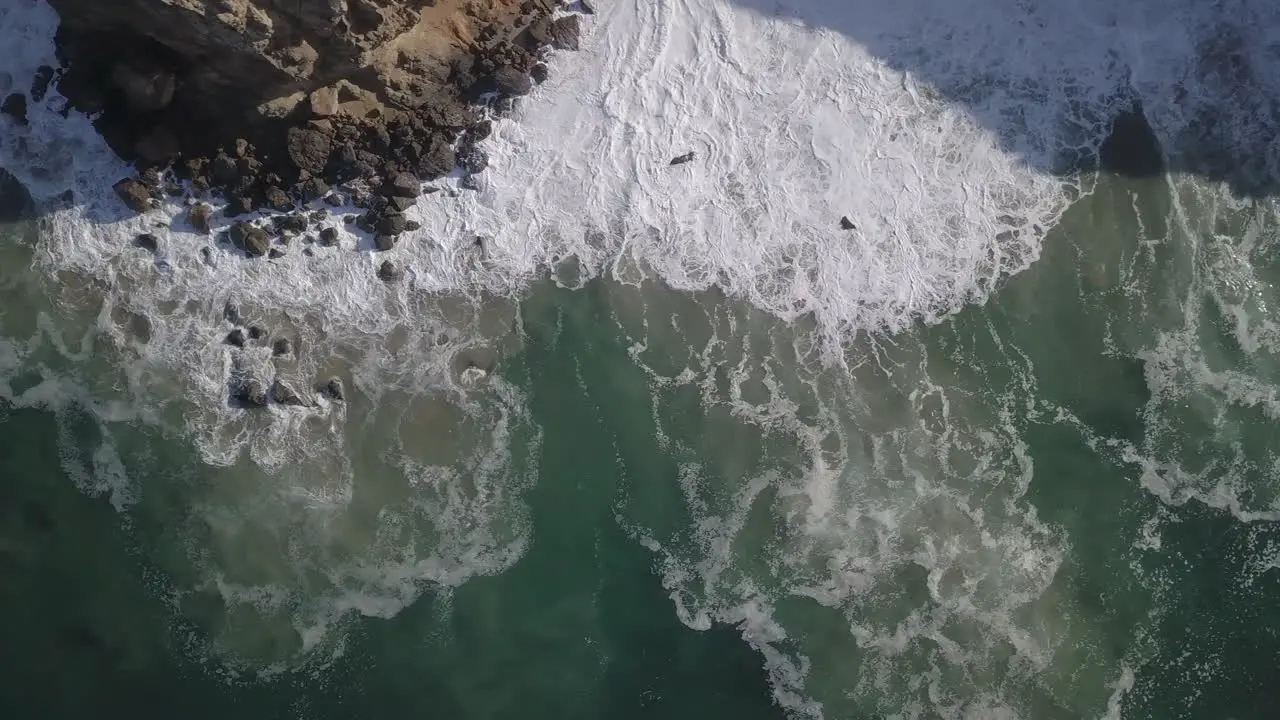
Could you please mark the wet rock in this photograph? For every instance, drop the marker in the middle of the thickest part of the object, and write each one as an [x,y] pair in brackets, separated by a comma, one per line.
[281,347]
[565,32]
[403,185]
[15,106]
[173,190]
[313,188]
[329,237]
[309,149]
[389,272]
[472,159]
[40,83]
[257,332]
[145,89]
[318,216]
[391,224]
[334,390]
[682,159]
[236,338]
[412,225]
[295,223]
[238,205]
[383,243]
[250,238]
[199,217]
[400,204]
[283,394]
[511,82]
[224,170]
[133,194]
[438,161]
[469,182]
[587,6]
[334,199]
[540,73]
[847,224]
[231,313]
[278,199]
[250,394]
[275,254]
[147,241]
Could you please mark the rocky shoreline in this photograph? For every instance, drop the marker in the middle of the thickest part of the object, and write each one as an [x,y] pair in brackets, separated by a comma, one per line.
[278,105]
[289,109]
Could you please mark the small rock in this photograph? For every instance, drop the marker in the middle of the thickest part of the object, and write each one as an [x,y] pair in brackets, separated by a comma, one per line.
[278,199]
[388,272]
[587,6]
[473,159]
[383,243]
[682,159]
[329,237]
[147,241]
[250,238]
[251,394]
[231,313]
[173,189]
[393,224]
[412,225]
[243,148]
[509,81]
[313,189]
[403,185]
[15,106]
[334,199]
[402,203]
[133,194]
[540,73]
[295,222]
[565,32]
[281,346]
[238,205]
[256,332]
[324,102]
[236,338]
[317,216]
[847,224]
[199,217]
[285,395]
[334,390]
[275,254]
[223,169]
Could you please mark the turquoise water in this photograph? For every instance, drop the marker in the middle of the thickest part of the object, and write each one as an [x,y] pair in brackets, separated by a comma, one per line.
[1059,504]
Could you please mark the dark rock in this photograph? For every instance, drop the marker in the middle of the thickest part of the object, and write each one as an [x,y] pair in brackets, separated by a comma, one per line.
[250,394]
[296,223]
[159,146]
[313,189]
[278,199]
[412,225]
[403,185]
[438,161]
[317,216]
[40,83]
[333,199]
[250,238]
[236,338]
[282,393]
[257,332]
[238,205]
[565,32]
[472,159]
[145,89]
[383,243]
[511,82]
[199,217]
[224,169]
[388,272]
[281,346]
[587,6]
[147,241]
[275,254]
[15,106]
[15,202]
[540,73]
[401,203]
[479,131]
[174,190]
[133,194]
[231,313]
[329,237]
[847,224]
[682,159]
[334,390]
[393,224]
[309,149]
[243,147]
[469,182]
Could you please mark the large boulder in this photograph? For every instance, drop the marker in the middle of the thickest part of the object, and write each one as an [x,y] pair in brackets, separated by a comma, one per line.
[250,238]
[309,148]
[133,194]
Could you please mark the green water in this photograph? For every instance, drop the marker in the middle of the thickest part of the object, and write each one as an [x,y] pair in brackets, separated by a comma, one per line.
[1057,505]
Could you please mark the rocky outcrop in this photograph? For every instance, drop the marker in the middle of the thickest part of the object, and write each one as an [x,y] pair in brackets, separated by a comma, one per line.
[273,102]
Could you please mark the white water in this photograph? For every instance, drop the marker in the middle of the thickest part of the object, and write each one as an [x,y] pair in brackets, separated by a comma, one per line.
[932,125]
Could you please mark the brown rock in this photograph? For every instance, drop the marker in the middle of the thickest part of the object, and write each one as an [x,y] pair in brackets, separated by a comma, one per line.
[251,239]
[309,149]
[564,33]
[199,217]
[133,194]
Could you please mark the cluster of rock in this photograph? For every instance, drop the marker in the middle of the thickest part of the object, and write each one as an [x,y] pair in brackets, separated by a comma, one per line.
[246,390]
[273,103]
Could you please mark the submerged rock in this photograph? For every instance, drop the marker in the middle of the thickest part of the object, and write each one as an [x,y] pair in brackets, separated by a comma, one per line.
[682,159]
[284,394]
[847,224]
[250,394]
[199,217]
[147,241]
[334,390]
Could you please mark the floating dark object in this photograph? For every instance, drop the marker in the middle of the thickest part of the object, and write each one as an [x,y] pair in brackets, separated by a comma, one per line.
[682,159]
[847,224]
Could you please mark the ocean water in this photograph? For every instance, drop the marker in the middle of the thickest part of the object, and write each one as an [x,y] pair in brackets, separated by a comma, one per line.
[668,442]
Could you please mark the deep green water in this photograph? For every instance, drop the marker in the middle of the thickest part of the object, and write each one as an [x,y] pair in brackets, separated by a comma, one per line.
[1060,504]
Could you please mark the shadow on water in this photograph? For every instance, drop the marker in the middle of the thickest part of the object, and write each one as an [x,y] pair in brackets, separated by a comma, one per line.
[1201,73]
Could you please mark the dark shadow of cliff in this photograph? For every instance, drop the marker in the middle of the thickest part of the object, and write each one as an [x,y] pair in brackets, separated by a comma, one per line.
[1211,93]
